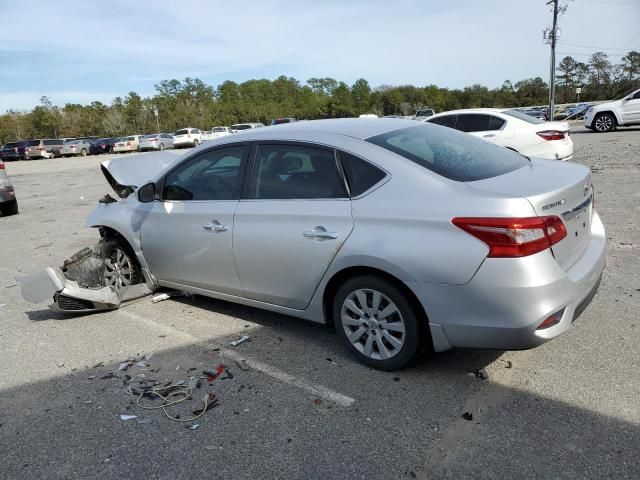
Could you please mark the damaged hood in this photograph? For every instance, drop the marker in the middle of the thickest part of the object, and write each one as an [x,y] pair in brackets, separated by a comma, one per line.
[128,173]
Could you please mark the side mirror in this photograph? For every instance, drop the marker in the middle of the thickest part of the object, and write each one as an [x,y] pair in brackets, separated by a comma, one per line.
[147,193]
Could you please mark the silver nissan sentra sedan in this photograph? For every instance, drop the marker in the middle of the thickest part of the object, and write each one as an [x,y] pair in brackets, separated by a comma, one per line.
[408,238]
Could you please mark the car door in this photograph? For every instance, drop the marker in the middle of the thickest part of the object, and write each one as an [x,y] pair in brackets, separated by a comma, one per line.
[187,233]
[631,110]
[295,218]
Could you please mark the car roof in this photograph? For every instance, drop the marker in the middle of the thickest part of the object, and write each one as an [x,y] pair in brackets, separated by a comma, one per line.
[473,110]
[351,127]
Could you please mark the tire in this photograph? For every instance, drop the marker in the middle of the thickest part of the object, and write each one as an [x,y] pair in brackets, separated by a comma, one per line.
[9,208]
[195,143]
[363,331]
[161,147]
[121,265]
[604,122]
[110,149]
[83,152]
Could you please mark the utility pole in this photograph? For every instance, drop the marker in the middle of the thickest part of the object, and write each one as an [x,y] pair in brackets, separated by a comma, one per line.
[552,36]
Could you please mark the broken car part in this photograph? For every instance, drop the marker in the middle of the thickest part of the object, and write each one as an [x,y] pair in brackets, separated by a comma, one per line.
[242,339]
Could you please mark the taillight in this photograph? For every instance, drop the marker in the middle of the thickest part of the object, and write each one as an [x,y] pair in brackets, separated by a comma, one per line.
[551,134]
[128,144]
[514,237]
[1,165]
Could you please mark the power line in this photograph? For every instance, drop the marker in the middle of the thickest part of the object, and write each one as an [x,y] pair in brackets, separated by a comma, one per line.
[592,46]
[633,39]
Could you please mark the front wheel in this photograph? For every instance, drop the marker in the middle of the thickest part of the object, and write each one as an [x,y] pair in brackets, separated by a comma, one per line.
[605,122]
[161,146]
[377,322]
[121,266]
[83,152]
[195,143]
[9,208]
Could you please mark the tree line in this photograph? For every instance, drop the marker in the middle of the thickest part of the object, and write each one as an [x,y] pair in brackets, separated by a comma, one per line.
[194,103]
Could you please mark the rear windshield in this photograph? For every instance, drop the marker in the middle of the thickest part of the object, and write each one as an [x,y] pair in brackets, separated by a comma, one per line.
[184,131]
[452,154]
[523,116]
[33,143]
[153,135]
[219,129]
[13,144]
[241,126]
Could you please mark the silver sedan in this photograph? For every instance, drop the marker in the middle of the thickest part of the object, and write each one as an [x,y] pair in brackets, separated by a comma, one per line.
[407,237]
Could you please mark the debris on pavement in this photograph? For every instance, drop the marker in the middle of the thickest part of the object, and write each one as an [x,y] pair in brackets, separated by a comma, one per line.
[481,374]
[467,416]
[242,339]
[331,361]
[128,417]
[242,364]
[167,295]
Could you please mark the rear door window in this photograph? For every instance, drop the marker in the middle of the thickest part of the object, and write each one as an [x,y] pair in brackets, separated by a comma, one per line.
[451,154]
[445,121]
[292,171]
[496,123]
[473,122]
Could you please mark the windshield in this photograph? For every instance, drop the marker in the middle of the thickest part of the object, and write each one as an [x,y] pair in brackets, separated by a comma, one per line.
[523,116]
[241,126]
[13,145]
[33,143]
[153,135]
[452,154]
[184,131]
[219,129]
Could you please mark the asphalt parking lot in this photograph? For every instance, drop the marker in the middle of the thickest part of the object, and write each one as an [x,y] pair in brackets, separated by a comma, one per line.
[305,409]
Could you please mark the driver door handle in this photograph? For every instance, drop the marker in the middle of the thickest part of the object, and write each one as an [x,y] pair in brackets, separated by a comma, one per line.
[320,233]
[489,135]
[215,226]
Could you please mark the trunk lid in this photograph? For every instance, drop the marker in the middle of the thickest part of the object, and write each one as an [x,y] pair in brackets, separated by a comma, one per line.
[552,188]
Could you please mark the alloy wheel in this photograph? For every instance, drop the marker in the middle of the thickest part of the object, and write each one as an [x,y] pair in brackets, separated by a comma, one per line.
[119,269]
[373,324]
[604,123]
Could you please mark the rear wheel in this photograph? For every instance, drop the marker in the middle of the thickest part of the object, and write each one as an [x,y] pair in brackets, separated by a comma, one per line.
[161,146]
[83,152]
[195,143]
[605,122]
[377,322]
[121,265]
[9,208]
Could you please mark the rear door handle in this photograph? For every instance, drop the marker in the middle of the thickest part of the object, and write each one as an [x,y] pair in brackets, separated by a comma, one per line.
[215,226]
[489,135]
[320,233]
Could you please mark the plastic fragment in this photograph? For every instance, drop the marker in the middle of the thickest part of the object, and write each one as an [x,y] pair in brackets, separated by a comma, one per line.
[242,339]
[242,364]
[128,417]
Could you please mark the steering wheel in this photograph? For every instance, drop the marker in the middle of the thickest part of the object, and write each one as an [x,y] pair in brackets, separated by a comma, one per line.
[214,188]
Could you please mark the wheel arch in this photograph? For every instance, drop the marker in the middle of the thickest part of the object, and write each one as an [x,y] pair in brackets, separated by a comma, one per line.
[341,276]
[610,112]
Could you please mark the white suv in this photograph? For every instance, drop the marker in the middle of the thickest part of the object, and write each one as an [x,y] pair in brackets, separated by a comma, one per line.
[605,117]
[187,137]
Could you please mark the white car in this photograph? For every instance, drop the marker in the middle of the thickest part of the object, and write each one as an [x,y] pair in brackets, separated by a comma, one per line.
[156,141]
[217,132]
[187,137]
[238,127]
[127,144]
[605,117]
[512,129]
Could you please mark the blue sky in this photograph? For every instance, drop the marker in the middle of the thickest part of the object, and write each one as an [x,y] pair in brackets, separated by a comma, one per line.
[79,51]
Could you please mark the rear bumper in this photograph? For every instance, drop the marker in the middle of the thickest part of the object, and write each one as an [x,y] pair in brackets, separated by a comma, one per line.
[7,194]
[507,299]
[554,150]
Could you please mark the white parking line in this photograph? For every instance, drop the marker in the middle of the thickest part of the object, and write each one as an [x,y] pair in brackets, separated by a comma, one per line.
[317,390]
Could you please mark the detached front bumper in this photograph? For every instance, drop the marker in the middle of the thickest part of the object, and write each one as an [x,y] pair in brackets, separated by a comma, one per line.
[507,300]
[69,297]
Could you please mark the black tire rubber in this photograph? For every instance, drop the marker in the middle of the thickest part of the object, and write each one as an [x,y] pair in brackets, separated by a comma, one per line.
[9,208]
[161,147]
[107,247]
[110,149]
[601,115]
[414,337]
[195,143]
[83,152]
